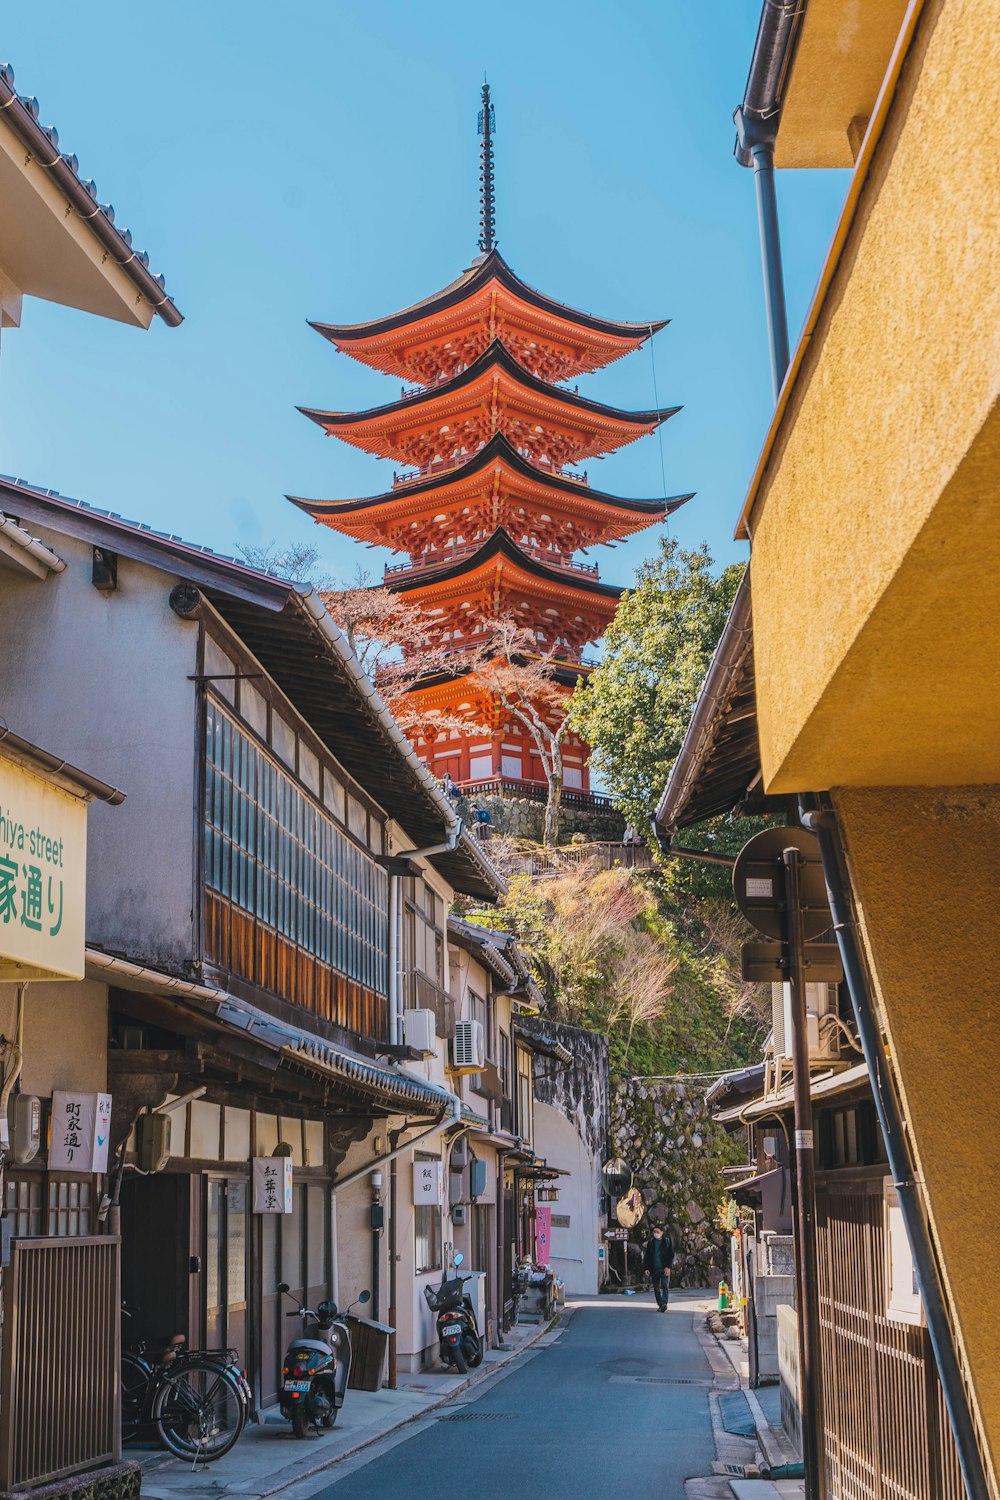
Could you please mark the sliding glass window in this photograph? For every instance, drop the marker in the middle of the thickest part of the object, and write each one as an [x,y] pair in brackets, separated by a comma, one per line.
[273,851]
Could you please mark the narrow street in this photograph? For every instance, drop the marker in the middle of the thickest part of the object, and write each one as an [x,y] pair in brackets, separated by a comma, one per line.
[619,1398]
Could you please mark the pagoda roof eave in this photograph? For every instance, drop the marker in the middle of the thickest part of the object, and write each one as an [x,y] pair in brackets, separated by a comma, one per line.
[466,285]
[494,356]
[498,448]
[502,545]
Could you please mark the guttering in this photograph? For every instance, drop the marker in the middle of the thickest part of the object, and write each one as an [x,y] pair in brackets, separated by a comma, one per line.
[80,781]
[35,549]
[859,179]
[737,631]
[107,963]
[45,151]
[757,117]
[823,822]
[452,1118]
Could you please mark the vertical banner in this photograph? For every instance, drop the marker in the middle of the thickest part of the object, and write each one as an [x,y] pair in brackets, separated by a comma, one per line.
[543,1234]
[81,1125]
[272,1185]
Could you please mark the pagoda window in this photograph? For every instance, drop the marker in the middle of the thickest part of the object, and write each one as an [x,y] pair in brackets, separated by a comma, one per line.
[572,776]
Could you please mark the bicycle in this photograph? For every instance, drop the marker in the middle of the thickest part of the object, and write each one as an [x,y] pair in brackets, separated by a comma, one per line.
[197,1400]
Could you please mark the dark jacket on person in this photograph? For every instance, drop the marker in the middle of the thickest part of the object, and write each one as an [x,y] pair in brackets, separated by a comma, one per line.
[659,1254]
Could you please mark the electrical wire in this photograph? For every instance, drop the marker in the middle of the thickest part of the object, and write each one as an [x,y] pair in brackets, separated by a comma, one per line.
[659,430]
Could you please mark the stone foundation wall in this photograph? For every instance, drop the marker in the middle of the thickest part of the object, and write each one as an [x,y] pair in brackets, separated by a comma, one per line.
[663,1129]
[523,819]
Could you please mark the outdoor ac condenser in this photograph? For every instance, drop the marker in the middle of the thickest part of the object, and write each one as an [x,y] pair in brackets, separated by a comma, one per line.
[468,1050]
[821,1001]
[418,1031]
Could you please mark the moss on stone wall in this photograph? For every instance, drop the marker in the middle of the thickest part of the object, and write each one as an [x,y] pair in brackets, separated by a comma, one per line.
[664,1131]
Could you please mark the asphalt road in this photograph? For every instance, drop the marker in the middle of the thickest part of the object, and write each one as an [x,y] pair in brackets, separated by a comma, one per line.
[617,1405]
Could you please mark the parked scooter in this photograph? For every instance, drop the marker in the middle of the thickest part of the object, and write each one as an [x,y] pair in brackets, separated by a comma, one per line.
[315,1371]
[459,1337]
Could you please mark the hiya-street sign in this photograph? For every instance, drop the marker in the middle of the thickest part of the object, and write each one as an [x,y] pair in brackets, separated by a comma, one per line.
[43,877]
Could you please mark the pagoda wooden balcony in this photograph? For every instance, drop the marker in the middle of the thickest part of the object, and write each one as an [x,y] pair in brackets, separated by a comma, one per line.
[445,556]
[537,791]
[451,464]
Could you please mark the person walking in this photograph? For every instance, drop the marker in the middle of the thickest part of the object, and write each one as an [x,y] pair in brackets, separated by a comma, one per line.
[656,1263]
[450,789]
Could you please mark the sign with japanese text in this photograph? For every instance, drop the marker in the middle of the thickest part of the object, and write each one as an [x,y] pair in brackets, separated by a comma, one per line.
[428,1183]
[43,877]
[272,1185]
[543,1234]
[81,1125]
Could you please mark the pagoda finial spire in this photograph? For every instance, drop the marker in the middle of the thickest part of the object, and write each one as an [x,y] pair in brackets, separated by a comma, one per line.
[487,208]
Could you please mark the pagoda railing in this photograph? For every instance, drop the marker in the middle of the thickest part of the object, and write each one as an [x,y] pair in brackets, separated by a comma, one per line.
[441,556]
[445,465]
[536,791]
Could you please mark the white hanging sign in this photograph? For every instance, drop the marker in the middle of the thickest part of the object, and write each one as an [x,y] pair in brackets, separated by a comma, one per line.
[272,1185]
[81,1125]
[428,1183]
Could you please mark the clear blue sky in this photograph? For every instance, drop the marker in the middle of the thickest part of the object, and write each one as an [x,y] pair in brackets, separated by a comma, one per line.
[319,159]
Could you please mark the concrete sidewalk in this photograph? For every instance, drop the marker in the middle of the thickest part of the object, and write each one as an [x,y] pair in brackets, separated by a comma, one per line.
[750,1455]
[268,1458]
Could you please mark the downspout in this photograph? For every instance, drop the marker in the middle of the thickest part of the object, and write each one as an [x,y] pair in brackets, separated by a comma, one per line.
[823,823]
[396,997]
[452,1118]
[756,123]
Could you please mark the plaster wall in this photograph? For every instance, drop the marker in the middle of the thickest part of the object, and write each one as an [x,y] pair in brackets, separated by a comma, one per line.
[574,1250]
[102,679]
[923,865]
[353,1264]
[876,543]
[65,1035]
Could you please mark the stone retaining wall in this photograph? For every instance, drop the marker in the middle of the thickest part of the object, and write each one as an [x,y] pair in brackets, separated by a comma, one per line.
[664,1131]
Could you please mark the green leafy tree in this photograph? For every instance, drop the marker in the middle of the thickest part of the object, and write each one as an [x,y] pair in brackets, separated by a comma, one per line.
[635,708]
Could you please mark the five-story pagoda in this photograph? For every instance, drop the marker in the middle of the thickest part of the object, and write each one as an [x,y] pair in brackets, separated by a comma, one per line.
[492,508]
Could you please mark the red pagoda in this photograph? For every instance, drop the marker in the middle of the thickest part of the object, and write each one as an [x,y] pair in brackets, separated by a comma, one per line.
[492,508]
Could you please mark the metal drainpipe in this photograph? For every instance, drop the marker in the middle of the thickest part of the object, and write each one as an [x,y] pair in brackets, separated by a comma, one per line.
[822,822]
[395,972]
[395,918]
[756,123]
[770,254]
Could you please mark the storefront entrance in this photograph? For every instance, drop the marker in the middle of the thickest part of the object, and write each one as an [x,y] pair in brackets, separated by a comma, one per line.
[225,1264]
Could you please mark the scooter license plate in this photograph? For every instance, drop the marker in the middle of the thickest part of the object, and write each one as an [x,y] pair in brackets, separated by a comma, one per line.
[297,1385]
[452,1328]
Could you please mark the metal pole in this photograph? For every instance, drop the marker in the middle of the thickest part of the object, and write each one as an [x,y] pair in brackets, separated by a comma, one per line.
[956,1398]
[770,254]
[810,1371]
[393,1137]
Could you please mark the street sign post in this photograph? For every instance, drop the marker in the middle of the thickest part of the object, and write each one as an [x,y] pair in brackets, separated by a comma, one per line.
[779,886]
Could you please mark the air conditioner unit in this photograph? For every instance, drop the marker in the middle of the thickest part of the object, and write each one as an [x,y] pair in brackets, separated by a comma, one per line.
[468,1048]
[418,1031]
[821,1001]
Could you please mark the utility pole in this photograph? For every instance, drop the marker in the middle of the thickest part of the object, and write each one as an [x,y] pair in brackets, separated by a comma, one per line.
[811,1368]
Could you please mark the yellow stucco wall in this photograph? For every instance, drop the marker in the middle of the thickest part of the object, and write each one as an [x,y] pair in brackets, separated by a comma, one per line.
[840,62]
[924,865]
[878,506]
